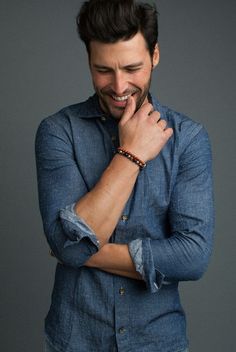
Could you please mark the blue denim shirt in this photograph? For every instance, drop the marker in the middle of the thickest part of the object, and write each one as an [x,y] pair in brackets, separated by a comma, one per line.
[167,224]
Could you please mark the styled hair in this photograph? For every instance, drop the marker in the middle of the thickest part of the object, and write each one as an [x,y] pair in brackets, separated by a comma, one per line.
[109,21]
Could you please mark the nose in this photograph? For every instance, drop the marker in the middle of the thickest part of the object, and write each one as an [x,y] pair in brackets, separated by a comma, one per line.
[120,83]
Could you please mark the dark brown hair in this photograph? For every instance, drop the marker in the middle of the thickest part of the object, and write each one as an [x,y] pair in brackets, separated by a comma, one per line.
[109,21]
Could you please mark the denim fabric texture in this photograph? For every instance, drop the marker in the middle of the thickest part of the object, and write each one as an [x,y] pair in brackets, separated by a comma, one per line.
[167,222]
[49,348]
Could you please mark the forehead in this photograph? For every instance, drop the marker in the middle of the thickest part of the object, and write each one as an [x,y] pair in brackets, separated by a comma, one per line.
[123,50]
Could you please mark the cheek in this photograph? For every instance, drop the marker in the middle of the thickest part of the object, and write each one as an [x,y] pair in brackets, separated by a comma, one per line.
[100,81]
[142,78]
[146,74]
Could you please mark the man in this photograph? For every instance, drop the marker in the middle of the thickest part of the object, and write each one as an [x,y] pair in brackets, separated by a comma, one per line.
[125,193]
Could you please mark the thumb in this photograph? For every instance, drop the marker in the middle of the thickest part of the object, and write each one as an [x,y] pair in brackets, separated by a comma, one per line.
[129,110]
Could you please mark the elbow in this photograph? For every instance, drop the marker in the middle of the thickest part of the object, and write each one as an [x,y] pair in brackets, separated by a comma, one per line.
[198,266]
[196,273]
[76,255]
[70,251]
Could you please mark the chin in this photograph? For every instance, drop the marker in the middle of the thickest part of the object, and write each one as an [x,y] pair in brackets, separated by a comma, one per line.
[117,114]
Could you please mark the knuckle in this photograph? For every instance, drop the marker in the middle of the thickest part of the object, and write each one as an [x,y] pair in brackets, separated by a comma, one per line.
[150,106]
[156,115]
[151,120]
[163,122]
[147,108]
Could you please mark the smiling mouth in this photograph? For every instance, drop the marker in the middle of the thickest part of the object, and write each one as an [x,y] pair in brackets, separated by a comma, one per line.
[122,98]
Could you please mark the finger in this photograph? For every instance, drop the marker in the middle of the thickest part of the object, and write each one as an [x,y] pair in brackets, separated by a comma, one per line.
[168,132]
[150,112]
[146,110]
[155,116]
[129,110]
[162,124]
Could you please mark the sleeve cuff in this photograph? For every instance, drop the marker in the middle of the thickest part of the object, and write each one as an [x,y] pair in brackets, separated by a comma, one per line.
[141,253]
[76,228]
[136,252]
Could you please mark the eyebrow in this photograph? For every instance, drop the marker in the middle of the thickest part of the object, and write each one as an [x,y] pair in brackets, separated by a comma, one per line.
[136,64]
[133,65]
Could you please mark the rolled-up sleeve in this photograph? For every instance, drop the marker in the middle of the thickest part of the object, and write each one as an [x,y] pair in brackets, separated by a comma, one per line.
[141,254]
[184,253]
[60,185]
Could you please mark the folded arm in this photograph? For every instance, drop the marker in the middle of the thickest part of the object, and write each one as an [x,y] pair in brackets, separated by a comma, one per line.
[115,259]
[184,254]
[75,238]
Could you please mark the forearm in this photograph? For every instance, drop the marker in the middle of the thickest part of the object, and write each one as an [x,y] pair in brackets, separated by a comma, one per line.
[115,259]
[101,208]
[140,133]
[132,275]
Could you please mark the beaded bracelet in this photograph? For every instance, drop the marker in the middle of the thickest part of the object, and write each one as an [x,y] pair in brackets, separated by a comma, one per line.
[131,157]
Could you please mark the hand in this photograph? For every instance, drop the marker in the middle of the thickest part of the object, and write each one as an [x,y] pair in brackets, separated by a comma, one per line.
[143,133]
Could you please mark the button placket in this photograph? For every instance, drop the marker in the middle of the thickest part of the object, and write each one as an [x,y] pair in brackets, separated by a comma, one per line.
[122,315]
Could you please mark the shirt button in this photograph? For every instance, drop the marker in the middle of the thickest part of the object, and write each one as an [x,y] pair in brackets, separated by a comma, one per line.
[124,217]
[103,118]
[122,291]
[122,330]
[113,138]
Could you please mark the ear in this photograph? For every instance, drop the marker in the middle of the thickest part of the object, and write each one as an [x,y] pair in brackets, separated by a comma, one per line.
[156,56]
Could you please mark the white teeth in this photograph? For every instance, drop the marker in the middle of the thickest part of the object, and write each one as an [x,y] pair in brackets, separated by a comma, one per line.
[121,98]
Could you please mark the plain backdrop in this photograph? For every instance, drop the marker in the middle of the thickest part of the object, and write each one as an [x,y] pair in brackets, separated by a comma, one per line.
[44,68]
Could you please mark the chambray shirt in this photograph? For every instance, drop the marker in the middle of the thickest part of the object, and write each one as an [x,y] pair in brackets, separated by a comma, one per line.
[167,223]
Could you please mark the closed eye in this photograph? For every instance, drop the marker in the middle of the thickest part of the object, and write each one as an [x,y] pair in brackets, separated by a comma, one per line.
[132,69]
[103,70]
[129,68]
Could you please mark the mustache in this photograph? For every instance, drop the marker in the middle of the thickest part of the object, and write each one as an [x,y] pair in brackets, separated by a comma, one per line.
[110,91]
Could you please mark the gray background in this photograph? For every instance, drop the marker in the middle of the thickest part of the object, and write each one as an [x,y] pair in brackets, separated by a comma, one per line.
[43,68]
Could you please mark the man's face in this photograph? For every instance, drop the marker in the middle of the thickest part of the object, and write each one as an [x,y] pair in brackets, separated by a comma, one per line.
[119,70]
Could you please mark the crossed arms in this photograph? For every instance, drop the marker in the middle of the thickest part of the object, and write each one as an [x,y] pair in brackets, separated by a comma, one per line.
[182,256]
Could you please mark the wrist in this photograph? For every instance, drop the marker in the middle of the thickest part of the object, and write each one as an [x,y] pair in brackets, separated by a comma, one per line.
[131,157]
[137,151]
[124,167]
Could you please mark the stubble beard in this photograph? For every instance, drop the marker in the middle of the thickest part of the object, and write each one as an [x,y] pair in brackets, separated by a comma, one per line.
[140,100]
